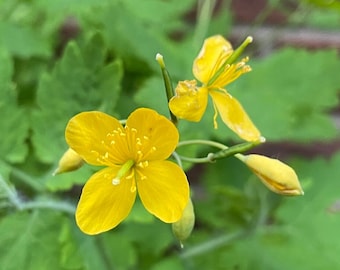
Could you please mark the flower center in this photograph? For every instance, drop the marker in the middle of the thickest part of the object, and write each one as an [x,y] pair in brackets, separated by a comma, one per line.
[123,171]
[140,146]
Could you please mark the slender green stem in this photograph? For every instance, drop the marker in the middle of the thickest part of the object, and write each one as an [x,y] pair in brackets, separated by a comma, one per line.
[14,200]
[24,177]
[204,142]
[213,244]
[224,152]
[10,193]
[235,150]
[204,13]
[49,204]
[167,83]
[206,159]
[178,159]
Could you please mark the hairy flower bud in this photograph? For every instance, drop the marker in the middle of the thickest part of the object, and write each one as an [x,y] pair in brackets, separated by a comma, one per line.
[70,161]
[183,227]
[276,175]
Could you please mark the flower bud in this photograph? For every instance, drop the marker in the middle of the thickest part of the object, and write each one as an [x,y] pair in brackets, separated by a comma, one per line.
[183,227]
[276,175]
[70,161]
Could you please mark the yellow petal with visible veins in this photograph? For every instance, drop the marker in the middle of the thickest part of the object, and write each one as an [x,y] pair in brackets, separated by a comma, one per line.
[103,205]
[164,190]
[95,136]
[234,116]
[215,51]
[152,134]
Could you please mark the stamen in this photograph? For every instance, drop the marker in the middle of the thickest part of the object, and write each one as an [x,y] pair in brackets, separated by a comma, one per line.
[138,141]
[131,175]
[141,176]
[143,164]
[133,187]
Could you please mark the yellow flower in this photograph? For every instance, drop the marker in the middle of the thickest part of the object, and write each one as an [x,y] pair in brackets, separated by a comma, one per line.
[212,69]
[276,175]
[134,157]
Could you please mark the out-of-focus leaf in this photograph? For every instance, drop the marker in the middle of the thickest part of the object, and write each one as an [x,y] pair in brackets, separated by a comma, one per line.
[22,41]
[165,14]
[29,241]
[288,95]
[122,255]
[138,42]
[13,121]
[77,83]
[168,264]
[65,181]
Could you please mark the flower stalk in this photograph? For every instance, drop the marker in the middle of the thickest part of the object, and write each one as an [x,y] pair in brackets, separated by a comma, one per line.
[167,84]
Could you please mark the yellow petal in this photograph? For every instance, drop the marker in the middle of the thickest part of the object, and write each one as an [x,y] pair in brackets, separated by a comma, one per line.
[276,175]
[190,102]
[164,191]
[234,116]
[152,134]
[90,134]
[103,205]
[215,51]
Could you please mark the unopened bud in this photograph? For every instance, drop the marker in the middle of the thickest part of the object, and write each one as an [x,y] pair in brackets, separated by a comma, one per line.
[183,227]
[70,161]
[276,175]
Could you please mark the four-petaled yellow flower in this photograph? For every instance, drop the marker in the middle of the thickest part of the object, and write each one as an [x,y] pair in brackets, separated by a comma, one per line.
[134,157]
[213,70]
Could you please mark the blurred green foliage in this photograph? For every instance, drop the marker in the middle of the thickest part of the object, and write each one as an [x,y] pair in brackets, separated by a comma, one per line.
[58,58]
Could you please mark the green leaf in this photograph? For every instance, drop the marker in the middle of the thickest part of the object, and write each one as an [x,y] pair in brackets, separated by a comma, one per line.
[13,120]
[66,181]
[22,41]
[29,241]
[138,45]
[288,94]
[122,255]
[77,83]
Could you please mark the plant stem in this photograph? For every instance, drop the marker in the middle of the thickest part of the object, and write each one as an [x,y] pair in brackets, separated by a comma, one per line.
[50,204]
[167,83]
[213,244]
[224,152]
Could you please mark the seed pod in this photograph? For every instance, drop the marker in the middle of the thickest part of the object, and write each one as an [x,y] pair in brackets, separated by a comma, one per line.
[183,227]
[70,161]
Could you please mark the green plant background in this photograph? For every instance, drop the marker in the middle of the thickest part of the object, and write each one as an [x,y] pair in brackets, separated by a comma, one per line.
[58,58]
